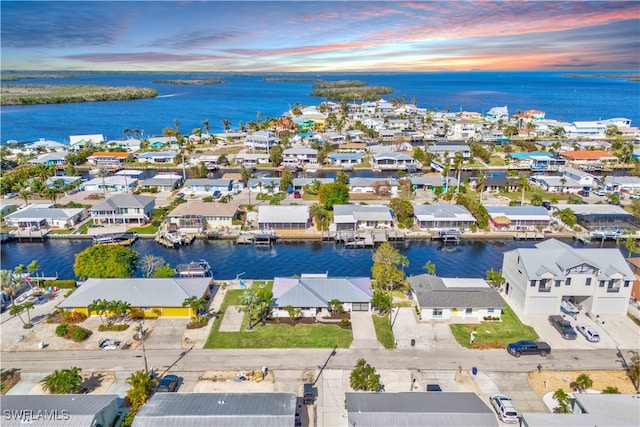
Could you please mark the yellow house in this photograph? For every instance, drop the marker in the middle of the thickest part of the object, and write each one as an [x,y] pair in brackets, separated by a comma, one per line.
[153,297]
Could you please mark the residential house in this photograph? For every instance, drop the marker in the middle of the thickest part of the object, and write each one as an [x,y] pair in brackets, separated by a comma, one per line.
[108,159]
[312,294]
[208,186]
[538,279]
[593,129]
[264,185]
[124,209]
[110,184]
[50,410]
[418,409]
[358,217]
[590,409]
[218,410]
[157,157]
[462,130]
[150,296]
[299,184]
[394,161]
[250,160]
[589,159]
[261,140]
[78,141]
[519,218]
[432,182]
[59,182]
[346,159]
[537,160]
[533,115]
[156,142]
[557,184]
[389,134]
[353,147]
[604,217]
[6,209]
[129,144]
[57,158]
[634,264]
[283,218]
[447,298]
[162,182]
[45,144]
[380,186]
[442,216]
[299,156]
[584,179]
[630,184]
[494,184]
[498,113]
[446,152]
[37,216]
[198,217]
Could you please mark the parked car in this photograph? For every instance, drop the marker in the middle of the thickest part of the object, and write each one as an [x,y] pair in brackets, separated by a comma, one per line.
[504,408]
[634,196]
[583,193]
[589,333]
[168,383]
[546,204]
[180,195]
[528,347]
[297,195]
[10,195]
[217,194]
[433,387]
[564,327]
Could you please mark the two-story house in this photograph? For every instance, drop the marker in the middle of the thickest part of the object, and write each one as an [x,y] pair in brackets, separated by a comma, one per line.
[123,209]
[394,161]
[299,156]
[537,279]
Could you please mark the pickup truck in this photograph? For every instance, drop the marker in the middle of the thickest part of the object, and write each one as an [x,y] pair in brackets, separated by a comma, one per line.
[564,327]
[528,347]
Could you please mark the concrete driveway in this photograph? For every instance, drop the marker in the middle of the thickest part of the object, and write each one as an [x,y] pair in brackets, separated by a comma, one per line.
[364,334]
[167,333]
[427,335]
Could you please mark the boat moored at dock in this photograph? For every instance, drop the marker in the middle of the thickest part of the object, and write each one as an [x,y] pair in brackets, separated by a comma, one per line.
[123,239]
[200,268]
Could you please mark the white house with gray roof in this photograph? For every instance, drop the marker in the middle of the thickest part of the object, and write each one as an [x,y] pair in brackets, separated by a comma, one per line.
[446,298]
[261,140]
[413,409]
[537,279]
[37,216]
[124,209]
[518,217]
[204,186]
[358,217]
[158,157]
[394,161]
[51,159]
[382,185]
[441,216]
[312,293]
[283,217]
[300,183]
[300,156]
[218,410]
[626,183]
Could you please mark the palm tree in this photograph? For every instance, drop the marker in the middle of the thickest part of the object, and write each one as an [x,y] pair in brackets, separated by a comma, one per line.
[141,388]
[27,306]
[563,401]
[227,125]
[317,213]
[99,306]
[583,382]
[33,268]
[8,284]
[382,301]
[430,267]
[523,182]
[631,247]
[196,304]
[249,301]
[64,381]
[206,126]
[17,309]
[103,173]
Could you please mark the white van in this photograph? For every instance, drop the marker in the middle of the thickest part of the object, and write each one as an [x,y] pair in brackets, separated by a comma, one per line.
[589,333]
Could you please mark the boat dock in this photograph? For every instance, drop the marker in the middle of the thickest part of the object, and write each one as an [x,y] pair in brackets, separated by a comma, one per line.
[528,235]
[122,239]
[446,236]
[173,239]
[257,239]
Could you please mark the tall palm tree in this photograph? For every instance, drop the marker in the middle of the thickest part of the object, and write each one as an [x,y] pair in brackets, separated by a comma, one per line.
[64,381]
[16,310]
[141,388]
[563,401]
[523,182]
[249,301]
[206,126]
[99,306]
[28,306]
[33,268]
[227,125]
[8,284]
[430,267]
[103,173]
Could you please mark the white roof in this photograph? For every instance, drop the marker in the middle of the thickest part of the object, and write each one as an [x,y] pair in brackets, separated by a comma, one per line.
[281,214]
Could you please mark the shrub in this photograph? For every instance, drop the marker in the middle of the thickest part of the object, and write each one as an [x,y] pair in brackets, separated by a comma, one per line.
[80,334]
[74,316]
[198,322]
[345,321]
[61,329]
[111,327]
[60,284]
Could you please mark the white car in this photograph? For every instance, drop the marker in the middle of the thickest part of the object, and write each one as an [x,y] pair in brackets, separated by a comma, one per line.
[600,193]
[504,408]
[589,333]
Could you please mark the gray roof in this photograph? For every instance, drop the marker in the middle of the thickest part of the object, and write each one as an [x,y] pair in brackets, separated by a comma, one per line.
[169,292]
[157,154]
[432,180]
[124,201]
[517,212]
[555,257]
[283,214]
[81,409]
[424,409]
[437,292]
[36,213]
[442,211]
[301,182]
[369,182]
[218,409]
[392,155]
[208,181]
[158,180]
[55,156]
[350,213]
[598,209]
[299,150]
[318,291]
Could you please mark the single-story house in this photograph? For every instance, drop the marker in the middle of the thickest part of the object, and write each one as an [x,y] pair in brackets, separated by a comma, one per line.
[6,209]
[354,217]
[394,161]
[162,182]
[78,141]
[129,144]
[281,217]
[251,160]
[430,182]
[353,147]
[598,217]
[152,297]
[626,183]
[558,184]
[445,298]
[61,181]
[123,208]
[208,185]
[537,160]
[57,158]
[418,409]
[157,157]
[264,185]
[218,410]
[299,156]
[111,184]
[346,158]
[448,151]
[197,217]
[36,216]
[108,159]
[588,157]
[585,179]
[518,217]
[380,185]
[46,144]
[156,142]
[441,216]
[300,183]
[312,293]
[51,410]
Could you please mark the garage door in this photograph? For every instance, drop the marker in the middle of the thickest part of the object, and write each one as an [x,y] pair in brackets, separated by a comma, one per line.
[540,305]
[360,306]
[610,306]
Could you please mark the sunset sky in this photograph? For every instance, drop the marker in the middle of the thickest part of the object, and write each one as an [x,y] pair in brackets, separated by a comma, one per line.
[320,35]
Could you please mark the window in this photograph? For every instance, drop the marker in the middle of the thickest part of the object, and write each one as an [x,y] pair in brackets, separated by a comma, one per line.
[557,284]
[468,311]
[437,312]
[602,283]
[568,281]
[490,310]
[533,283]
[588,281]
[626,283]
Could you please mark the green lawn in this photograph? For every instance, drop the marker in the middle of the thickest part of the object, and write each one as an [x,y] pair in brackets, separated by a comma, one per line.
[274,335]
[494,334]
[149,229]
[384,333]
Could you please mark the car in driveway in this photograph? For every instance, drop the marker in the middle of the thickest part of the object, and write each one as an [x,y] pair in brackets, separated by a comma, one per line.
[504,408]
[600,193]
[528,347]
[563,326]
[589,333]
[168,383]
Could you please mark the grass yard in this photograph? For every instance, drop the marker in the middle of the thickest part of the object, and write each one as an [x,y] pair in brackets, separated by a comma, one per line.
[384,333]
[494,334]
[274,335]
[149,229]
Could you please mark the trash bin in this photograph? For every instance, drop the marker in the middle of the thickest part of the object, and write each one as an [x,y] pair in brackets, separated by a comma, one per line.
[413,342]
[474,371]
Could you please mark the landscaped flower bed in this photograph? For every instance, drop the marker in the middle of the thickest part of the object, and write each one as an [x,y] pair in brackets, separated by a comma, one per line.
[72,332]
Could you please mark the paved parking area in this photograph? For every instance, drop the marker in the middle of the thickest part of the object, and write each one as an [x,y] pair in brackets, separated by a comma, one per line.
[427,335]
[167,333]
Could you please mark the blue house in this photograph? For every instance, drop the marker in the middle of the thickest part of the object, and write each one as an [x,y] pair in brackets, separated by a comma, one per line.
[207,185]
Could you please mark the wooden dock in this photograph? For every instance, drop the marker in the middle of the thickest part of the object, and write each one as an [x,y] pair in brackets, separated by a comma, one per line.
[528,235]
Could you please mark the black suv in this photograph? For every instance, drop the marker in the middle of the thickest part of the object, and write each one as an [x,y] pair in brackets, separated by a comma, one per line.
[168,383]
[564,327]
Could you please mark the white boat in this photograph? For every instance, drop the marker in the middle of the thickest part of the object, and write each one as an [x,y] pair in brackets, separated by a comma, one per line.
[200,268]
[569,308]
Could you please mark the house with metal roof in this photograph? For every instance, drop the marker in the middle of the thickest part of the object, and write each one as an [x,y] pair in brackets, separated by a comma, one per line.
[251,160]
[110,184]
[124,209]
[56,158]
[418,409]
[538,279]
[348,159]
[261,140]
[537,160]
[358,217]
[208,186]
[158,157]
[446,298]
[59,410]
[198,217]
[37,216]
[605,217]
[624,183]
[282,218]
[300,156]
[380,185]
[518,217]
[45,144]
[161,182]
[312,293]
[558,184]
[150,296]
[300,183]
[218,410]
[447,152]
[442,216]
[394,161]
[108,159]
